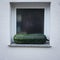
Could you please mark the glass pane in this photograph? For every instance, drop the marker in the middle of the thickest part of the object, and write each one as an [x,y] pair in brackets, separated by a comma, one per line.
[30,20]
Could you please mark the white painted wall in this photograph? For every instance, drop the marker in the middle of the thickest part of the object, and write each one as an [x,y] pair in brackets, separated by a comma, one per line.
[18,53]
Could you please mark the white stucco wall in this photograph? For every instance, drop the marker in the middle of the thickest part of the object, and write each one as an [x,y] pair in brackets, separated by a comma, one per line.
[19,53]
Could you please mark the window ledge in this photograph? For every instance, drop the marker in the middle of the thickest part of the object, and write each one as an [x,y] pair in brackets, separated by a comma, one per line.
[30,45]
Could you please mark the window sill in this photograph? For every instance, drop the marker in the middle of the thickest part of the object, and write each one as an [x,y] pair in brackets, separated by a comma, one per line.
[30,45]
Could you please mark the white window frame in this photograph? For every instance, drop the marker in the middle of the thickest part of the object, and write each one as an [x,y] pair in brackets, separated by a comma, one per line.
[45,6]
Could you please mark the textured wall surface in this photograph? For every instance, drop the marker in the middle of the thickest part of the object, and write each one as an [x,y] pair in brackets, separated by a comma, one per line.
[19,53]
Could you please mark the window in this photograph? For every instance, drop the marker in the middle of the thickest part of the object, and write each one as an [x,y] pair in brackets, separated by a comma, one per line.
[31,18]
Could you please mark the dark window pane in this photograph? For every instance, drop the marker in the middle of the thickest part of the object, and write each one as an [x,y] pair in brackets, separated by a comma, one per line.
[30,20]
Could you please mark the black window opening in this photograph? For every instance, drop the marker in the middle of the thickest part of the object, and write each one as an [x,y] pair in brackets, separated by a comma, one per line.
[30,21]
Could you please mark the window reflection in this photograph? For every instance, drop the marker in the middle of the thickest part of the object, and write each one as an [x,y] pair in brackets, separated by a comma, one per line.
[30,20]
